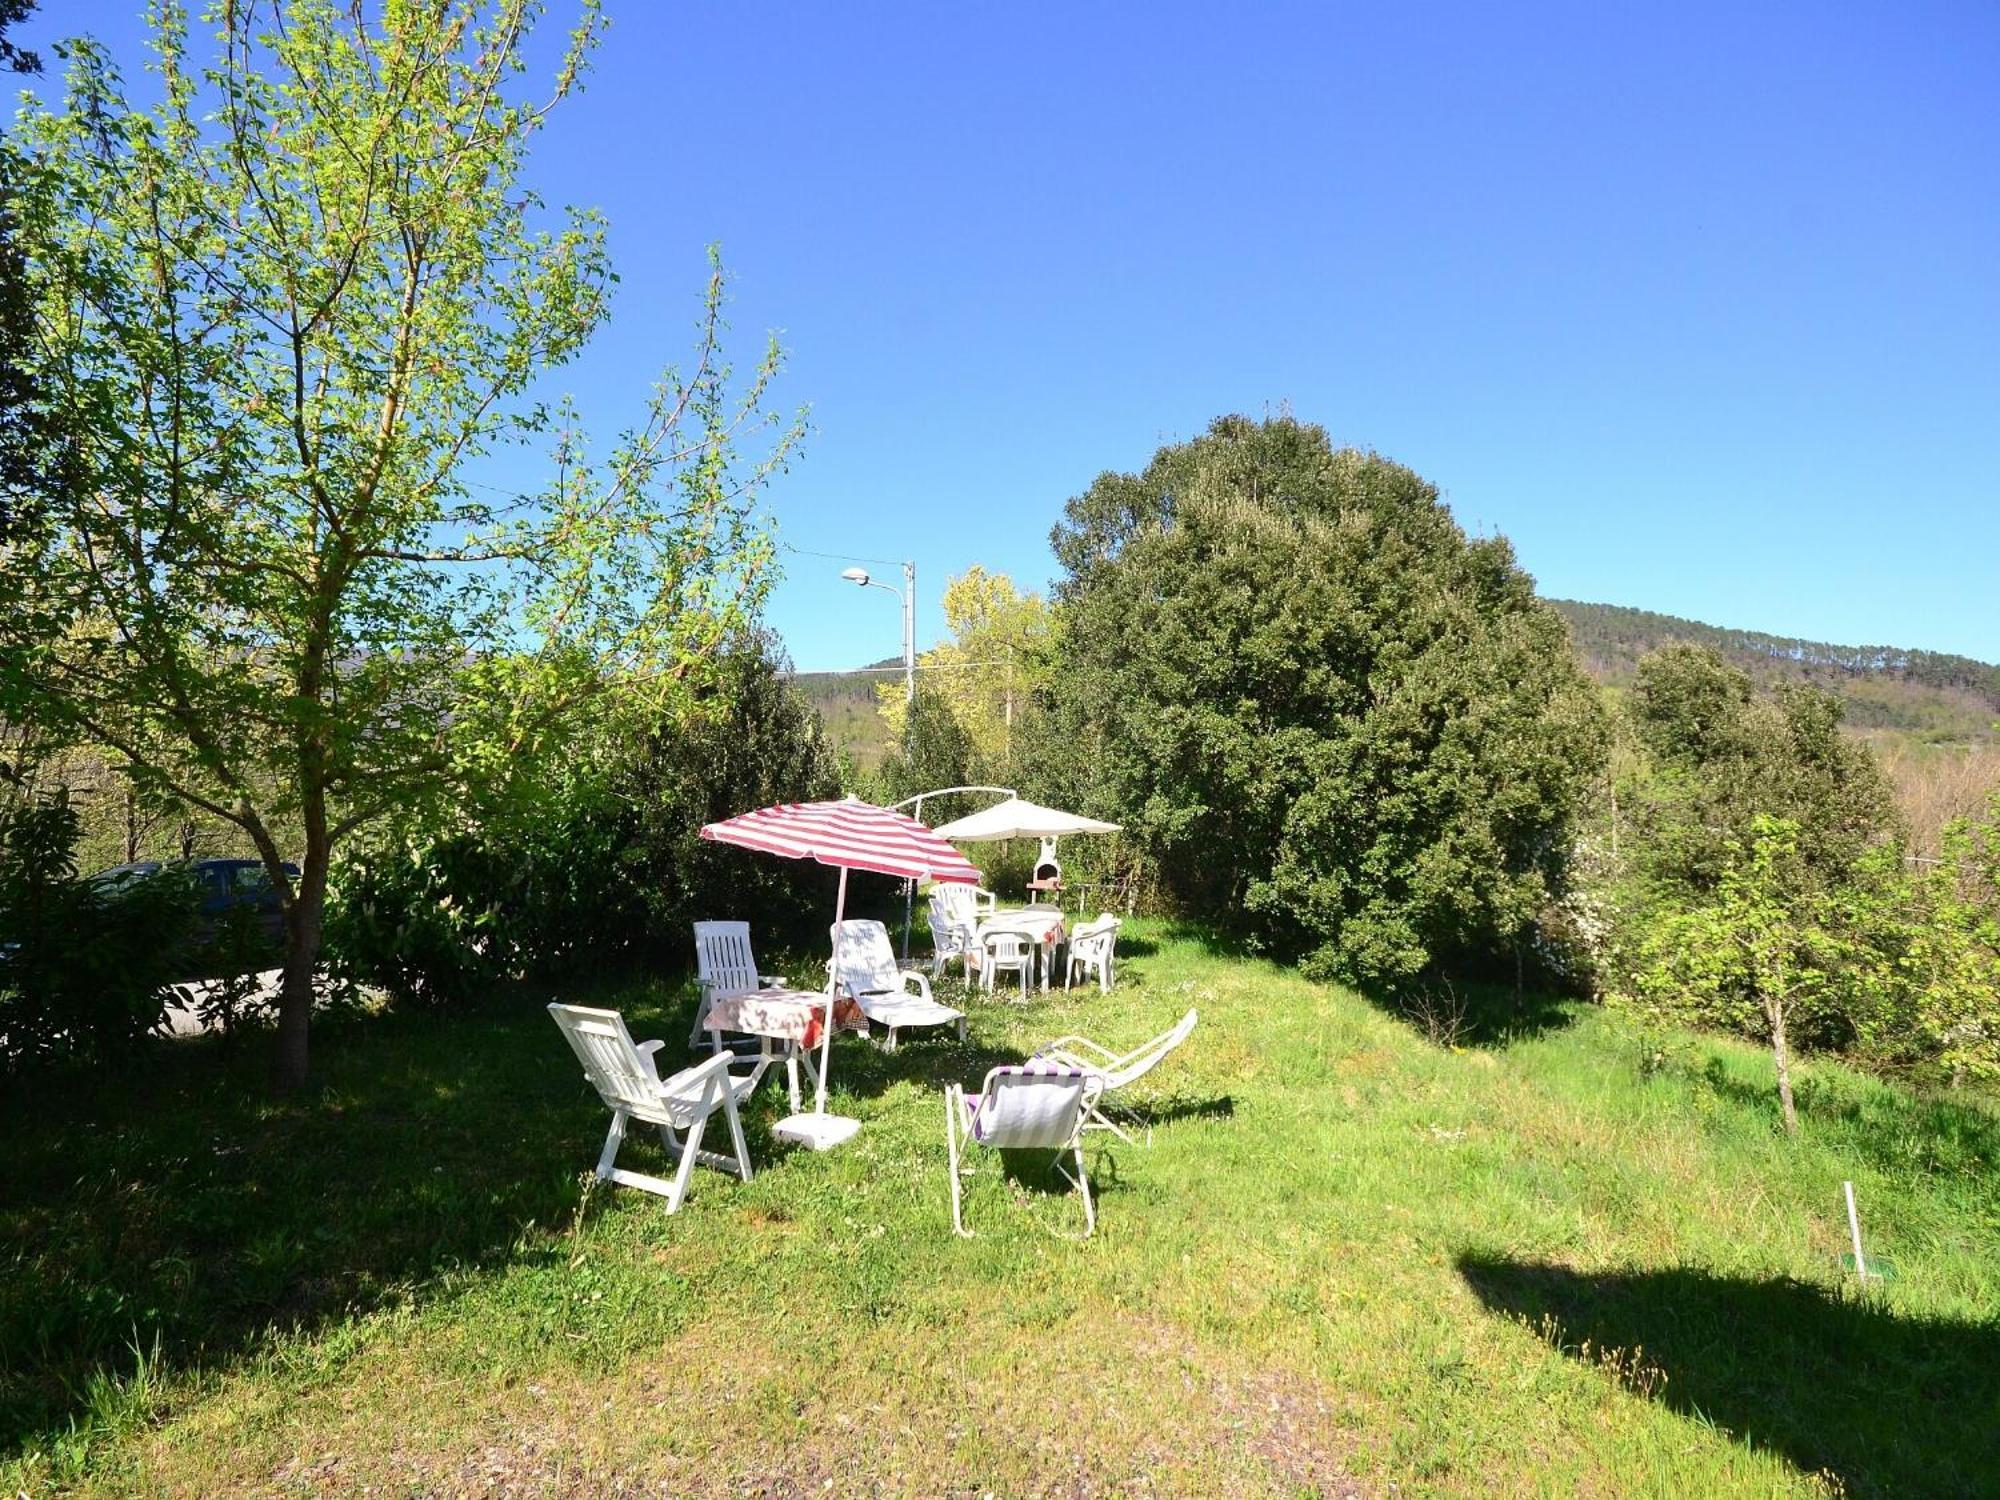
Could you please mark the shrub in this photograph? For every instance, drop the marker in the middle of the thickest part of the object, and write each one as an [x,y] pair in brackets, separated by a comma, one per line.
[596,863]
[84,965]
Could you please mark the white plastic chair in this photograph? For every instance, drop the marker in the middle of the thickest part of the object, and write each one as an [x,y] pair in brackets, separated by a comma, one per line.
[1007,953]
[627,1080]
[1116,1072]
[954,934]
[1033,1106]
[724,966]
[864,965]
[1090,950]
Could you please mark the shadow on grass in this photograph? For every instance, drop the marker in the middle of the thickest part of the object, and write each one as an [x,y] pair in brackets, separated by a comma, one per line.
[1154,1114]
[1890,1405]
[174,1200]
[1450,1013]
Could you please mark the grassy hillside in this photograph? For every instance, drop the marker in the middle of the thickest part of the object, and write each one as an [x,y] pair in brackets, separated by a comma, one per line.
[1930,694]
[1352,1262]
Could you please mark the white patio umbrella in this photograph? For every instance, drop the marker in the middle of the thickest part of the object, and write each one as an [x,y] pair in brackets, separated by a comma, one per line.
[849,835]
[1017,818]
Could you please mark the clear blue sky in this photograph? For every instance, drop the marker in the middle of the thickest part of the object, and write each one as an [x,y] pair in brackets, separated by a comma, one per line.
[1699,304]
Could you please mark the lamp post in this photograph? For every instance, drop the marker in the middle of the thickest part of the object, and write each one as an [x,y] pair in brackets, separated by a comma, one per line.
[908,595]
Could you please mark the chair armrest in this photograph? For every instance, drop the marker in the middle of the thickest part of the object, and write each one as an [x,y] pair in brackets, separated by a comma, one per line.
[716,1063]
[922,981]
[1070,1043]
[649,1051]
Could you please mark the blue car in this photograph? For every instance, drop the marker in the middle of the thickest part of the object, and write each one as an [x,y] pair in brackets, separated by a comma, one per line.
[225,885]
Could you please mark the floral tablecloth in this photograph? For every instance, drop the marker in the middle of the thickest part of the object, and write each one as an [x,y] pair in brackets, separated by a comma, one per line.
[788,1015]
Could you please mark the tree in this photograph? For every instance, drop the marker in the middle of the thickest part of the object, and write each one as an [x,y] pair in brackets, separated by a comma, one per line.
[932,751]
[26,427]
[1766,948]
[1001,649]
[1718,757]
[289,303]
[1329,717]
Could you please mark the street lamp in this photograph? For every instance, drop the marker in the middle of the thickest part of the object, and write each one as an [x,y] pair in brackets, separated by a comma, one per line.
[908,594]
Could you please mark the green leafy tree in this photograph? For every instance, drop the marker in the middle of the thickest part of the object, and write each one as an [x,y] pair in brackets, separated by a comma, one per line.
[1768,948]
[1935,928]
[1327,716]
[1002,648]
[933,750]
[1718,757]
[288,302]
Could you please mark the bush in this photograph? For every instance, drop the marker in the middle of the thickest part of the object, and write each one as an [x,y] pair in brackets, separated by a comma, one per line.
[1329,719]
[85,966]
[596,863]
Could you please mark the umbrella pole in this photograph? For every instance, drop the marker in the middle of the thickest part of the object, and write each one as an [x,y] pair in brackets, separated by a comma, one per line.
[832,994]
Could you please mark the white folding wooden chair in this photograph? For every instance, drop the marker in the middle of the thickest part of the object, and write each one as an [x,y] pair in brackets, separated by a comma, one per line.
[724,966]
[1031,1106]
[1090,950]
[629,1083]
[864,966]
[1007,953]
[1117,1072]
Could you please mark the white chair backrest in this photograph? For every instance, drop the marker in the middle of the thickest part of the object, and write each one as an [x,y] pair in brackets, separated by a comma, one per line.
[610,1061]
[1150,1056]
[863,961]
[1006,947]
[1101,933]
[1032,1106]
[722,956]
[954,899]
[951,913]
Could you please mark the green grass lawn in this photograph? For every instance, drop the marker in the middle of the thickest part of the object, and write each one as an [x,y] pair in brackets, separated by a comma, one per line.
[1352,1262]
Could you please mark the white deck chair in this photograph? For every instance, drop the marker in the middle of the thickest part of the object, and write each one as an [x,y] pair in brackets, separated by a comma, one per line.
[1090,950]
[1007,953]
[864,965]
[1035,1105]
[1117,1072]
[626,1079]
[723,967]
[953,934]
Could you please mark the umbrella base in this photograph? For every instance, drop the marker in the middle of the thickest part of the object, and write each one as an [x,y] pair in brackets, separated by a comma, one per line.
[816,1132]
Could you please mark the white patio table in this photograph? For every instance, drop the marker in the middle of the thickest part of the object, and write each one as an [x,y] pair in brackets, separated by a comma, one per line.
[1042,926]
[792,1018]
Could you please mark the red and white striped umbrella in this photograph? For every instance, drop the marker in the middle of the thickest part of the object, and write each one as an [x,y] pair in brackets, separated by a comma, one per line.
[850,835]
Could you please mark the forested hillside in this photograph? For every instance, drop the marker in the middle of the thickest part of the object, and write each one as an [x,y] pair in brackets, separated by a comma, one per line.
[846,704]
[1929,693]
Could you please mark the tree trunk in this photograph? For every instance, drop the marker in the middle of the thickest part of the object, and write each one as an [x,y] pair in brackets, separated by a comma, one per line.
[303,920]
[1782,1056]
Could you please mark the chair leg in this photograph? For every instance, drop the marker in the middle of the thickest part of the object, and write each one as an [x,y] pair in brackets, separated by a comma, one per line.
[1083,1187]
[951,1127]
[689,1152]
[736,1133]
[613,1139]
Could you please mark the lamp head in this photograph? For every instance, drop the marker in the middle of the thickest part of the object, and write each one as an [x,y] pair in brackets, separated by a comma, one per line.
[855,575]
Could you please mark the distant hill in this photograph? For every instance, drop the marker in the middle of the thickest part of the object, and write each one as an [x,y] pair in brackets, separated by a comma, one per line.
[1930,695]
[846,704]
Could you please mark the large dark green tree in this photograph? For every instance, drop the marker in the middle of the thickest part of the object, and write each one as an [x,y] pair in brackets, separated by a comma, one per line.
[1332,719]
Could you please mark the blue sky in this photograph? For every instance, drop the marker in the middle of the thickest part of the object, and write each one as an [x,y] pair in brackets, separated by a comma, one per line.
[1697,304]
